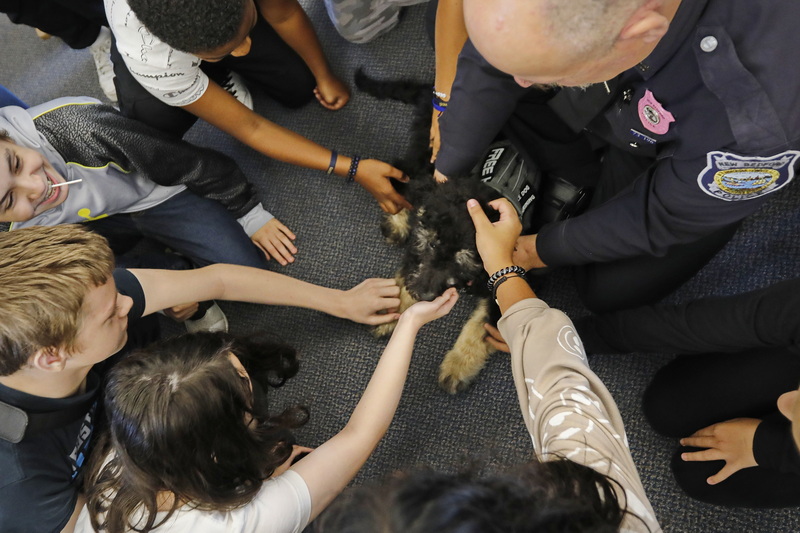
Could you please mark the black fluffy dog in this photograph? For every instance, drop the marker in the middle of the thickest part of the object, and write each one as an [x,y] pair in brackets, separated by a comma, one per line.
[438,235]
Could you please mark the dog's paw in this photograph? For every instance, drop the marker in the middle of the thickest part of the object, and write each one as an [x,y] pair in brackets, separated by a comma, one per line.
[396,228]
[469,353]
[384,330]
[459,368]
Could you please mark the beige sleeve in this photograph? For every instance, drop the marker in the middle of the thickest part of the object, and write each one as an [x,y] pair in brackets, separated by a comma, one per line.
[567,409]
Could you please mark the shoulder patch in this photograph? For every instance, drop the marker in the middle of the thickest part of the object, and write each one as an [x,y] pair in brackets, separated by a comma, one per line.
[733,177]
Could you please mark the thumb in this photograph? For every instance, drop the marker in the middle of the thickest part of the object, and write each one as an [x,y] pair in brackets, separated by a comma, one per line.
[479,218]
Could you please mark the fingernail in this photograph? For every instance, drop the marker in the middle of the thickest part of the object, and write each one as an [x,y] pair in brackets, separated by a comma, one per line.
[472,202]
[683,456]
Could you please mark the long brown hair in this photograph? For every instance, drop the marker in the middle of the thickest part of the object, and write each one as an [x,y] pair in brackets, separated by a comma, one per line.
[179,419]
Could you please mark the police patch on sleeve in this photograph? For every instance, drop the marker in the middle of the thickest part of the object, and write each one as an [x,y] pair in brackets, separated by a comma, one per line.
[732,177]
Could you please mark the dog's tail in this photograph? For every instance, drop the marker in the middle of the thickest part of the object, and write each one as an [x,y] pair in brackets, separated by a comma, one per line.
[406,91]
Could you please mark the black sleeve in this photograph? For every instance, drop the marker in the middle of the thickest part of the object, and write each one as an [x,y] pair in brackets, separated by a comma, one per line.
[97,135]
[774,446]
[481,101]
[766,317]
[128,285]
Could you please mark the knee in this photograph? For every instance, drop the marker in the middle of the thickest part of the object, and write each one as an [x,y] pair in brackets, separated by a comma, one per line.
[691,477]
[661,407]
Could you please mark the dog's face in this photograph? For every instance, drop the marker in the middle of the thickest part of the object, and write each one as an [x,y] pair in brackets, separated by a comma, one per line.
[440,251]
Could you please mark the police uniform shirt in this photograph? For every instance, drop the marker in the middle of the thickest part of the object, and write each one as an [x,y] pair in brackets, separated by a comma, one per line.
[713,105]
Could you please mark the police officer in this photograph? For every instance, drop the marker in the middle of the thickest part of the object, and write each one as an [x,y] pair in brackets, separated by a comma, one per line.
[681,113]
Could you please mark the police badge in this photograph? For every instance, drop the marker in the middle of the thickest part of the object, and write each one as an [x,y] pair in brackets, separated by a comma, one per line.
[732,177]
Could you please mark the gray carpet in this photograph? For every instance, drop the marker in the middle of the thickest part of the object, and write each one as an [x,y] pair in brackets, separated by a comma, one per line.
[340,244]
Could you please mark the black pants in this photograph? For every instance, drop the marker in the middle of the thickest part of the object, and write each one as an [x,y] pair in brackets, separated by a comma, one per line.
[696,391]
[76,22]
[540,134]
[272,66]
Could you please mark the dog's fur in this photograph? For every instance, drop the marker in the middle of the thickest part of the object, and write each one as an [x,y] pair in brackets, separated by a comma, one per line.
[439,237]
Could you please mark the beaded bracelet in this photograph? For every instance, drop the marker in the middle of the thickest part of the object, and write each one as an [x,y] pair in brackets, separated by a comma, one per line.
[502,280]
[439,94]
[351,174]
[334,160]
[502,272]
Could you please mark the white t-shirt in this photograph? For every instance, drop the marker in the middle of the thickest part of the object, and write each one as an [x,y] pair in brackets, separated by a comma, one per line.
[283,505]
[172,76]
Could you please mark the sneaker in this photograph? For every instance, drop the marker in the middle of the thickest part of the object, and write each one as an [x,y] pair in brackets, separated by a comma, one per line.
[101,53]
[213,320]
[235,85]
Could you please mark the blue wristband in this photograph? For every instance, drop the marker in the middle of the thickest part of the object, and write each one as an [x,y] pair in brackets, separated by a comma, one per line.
[334,159]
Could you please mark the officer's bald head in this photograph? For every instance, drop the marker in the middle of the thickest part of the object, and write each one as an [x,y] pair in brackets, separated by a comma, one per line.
[566,42]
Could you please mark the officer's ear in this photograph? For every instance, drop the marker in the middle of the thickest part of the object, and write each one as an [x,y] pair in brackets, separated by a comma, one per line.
[647,24]
[50,359]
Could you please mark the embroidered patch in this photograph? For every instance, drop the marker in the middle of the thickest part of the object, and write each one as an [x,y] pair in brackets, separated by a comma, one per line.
[653,115]
[732,177]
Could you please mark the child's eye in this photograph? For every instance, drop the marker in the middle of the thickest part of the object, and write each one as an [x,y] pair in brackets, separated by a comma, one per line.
[9,202]
[17,163]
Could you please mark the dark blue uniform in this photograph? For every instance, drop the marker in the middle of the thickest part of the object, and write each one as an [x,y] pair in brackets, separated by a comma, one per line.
[713,112]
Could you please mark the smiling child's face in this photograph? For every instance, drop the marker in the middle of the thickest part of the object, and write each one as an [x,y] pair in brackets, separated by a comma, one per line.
[26,183]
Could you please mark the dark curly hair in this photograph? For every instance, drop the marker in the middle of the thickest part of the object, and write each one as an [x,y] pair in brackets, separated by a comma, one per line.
[181,421]
[543,497]
[194,26]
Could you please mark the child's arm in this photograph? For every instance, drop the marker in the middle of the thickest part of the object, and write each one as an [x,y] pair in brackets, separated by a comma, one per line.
[219,108]
[366,303]
[330,467]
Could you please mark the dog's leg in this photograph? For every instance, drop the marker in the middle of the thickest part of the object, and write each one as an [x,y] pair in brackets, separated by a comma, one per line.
[406,301]
[395,228]
[468,355]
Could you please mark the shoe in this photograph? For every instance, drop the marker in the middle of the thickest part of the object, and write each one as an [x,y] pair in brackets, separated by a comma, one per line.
[235,85]
[213,320]
[101,53]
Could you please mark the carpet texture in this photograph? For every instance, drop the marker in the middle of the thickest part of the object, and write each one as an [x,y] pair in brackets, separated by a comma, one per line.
[340,244]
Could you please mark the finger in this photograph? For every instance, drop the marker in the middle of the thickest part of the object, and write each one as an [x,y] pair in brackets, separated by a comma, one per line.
[700,441]
[284,252]
[711,454]
[399,200]
[286,231]
[727,471]
[389,291]
[389,208]
[497,345]
[389,303]
[287,243]
[275,254]
[479,218]
[503,206]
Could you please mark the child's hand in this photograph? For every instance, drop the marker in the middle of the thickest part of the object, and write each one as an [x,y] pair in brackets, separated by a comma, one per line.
[332,93]
[495,240]
[374,176]
[275,240]
[373,301]
[423,312]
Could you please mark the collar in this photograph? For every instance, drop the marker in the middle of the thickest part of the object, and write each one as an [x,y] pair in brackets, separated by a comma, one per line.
[684,22]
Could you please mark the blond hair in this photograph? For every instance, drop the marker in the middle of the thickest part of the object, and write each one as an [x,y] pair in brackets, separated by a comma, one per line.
[45,273]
